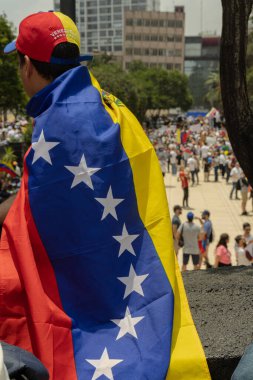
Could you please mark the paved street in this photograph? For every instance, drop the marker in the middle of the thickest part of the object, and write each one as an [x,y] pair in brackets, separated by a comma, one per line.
[225,213]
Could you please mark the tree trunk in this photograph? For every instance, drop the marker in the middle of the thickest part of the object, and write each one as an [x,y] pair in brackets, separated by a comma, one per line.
[239,117]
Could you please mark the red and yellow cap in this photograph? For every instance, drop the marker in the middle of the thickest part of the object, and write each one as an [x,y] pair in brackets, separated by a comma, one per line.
[41,32]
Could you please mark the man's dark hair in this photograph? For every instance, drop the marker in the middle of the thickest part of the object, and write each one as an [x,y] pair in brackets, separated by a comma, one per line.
[177,207]
[50,71]
[245,225]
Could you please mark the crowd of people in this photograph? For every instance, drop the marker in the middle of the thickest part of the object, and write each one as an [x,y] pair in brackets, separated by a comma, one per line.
[184,149]
[12,131]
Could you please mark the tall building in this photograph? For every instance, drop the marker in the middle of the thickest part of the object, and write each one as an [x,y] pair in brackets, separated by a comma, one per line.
[100,22]
[202,56]
[155,38]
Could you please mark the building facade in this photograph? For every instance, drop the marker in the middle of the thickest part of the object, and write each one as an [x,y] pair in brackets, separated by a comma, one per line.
[100,22]
[202,55]
[155,38]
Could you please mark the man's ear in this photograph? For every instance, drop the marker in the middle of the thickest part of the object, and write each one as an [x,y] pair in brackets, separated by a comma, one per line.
[28,66]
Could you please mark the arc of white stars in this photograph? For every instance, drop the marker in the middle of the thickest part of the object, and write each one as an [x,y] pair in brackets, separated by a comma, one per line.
[109,203]
[103,365]
[133,282]
[126,241]
[82,173]
[42,147]
[127,324]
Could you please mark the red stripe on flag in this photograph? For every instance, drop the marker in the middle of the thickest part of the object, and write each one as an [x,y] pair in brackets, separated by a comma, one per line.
[31,310]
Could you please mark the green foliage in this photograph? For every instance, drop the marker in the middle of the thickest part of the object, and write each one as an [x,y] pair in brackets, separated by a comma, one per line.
[142,88]
[9,155]
[213,95]
[12,97]
[27,135]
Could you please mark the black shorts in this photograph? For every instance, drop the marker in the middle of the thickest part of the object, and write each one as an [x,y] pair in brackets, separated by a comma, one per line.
[186,257]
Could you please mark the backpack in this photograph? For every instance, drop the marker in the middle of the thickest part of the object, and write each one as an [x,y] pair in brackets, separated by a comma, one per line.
[181,238]
[211,237]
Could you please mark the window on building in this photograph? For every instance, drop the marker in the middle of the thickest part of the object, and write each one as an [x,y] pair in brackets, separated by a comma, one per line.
[146,22]
[169,66]
[161,23]
[118,48]
[104,18]
[105,10]
[178,53]
[117,9]
[117,17]
[178,66]
[92,11]
[137,51]
[90,19]
[171,23]
[129,51]
[129,21]
[154,23]
[179,23]
[110,33]
[105,25]
[129,37]
[82,19]
[137,37]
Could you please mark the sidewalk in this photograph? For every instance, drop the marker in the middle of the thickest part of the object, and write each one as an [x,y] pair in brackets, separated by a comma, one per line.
[212,196]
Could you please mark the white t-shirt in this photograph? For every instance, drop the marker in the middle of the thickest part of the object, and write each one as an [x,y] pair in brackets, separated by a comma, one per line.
[204,151]
[222,159]
[241,255]
[173,157]
[192,164]
[235,174]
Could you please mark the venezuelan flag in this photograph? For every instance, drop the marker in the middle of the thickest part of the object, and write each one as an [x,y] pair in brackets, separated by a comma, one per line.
[7,168]
[89,279]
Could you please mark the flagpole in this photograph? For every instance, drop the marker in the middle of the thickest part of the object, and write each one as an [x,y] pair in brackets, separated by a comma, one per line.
[68,7]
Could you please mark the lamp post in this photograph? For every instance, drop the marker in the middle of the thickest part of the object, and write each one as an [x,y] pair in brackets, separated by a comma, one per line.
[68,7]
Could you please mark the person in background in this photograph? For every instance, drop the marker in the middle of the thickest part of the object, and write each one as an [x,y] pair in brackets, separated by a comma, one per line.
[207,236]
[192,165]
[206,169]
[216,166]
[235,174]
[242,256]
[184,178]
[222,254]
[173,161]
[176,222]
[190,233]
[222,164]
[197,168]
[246,233]
[244,184]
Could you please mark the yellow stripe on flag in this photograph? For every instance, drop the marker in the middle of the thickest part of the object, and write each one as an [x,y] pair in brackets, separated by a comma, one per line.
[187,356]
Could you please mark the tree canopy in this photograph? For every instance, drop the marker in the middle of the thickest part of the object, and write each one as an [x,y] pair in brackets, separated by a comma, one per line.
[143,88]
[12,97]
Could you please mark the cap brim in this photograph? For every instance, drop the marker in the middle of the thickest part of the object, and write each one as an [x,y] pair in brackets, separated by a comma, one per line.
[10,47]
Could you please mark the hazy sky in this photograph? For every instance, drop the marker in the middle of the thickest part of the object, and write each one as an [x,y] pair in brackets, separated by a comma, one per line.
[16,10]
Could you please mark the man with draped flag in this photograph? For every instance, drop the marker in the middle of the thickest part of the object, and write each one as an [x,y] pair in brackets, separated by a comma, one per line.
[89,280]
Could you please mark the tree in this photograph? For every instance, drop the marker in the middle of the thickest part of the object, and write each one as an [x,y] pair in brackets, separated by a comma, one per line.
[143,88]
[237,111]
[12,97]
[213,96]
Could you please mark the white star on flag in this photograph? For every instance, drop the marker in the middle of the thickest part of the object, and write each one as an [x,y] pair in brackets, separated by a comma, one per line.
[82,173]
[133,282]
[127,324]
[103,365]
[109,204]
[41,149]
[126,241]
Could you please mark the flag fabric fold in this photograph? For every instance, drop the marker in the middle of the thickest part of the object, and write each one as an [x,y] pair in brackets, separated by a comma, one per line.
[89,280]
